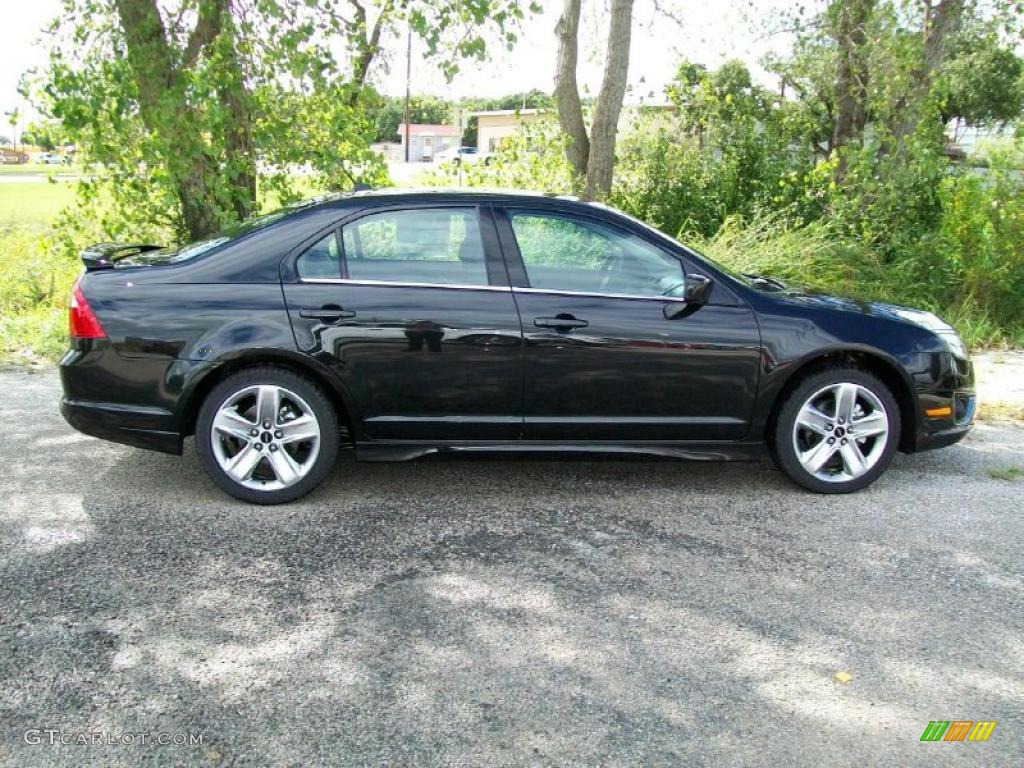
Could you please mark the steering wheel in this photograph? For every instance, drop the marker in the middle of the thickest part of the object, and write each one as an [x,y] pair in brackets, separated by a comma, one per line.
[671,286]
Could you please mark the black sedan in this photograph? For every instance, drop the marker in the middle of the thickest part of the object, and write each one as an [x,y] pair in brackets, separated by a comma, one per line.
[408,323]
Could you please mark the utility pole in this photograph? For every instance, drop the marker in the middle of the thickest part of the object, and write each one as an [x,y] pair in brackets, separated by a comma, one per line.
[408,79]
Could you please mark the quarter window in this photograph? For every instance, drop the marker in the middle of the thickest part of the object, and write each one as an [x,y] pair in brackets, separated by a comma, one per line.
[439,246]
[569,254]
[321,259]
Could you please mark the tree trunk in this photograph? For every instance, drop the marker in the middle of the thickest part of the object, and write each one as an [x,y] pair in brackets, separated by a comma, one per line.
[165,111]
[567,95]
[241,156]
[851,73]
[199,216]
[609,102]
[942,22]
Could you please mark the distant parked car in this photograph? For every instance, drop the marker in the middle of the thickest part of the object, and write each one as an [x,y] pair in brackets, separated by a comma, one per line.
[459,155]
[50,158]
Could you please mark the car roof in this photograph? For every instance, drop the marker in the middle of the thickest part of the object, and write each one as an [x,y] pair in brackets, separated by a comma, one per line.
[411,194]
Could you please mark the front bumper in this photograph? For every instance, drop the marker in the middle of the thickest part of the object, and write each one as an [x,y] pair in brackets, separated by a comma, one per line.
[932,440]
[947,414]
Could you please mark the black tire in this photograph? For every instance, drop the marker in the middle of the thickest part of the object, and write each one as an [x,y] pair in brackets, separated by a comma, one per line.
[783,442]
[320,405]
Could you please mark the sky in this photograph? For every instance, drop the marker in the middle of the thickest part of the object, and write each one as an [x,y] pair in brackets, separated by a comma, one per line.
[711,32]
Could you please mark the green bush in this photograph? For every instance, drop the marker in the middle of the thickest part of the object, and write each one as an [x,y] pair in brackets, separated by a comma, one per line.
[810,256]
[35,283]
[980,244]
[984,306]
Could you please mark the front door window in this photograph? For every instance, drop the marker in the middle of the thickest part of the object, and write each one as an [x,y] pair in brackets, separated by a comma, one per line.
[580,256]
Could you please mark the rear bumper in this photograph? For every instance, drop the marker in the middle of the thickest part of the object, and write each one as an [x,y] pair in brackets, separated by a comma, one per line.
[130,401]
[131,426]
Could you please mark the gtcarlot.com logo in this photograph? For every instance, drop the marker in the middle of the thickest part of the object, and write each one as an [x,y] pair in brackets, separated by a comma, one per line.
[105,738]
[958,730]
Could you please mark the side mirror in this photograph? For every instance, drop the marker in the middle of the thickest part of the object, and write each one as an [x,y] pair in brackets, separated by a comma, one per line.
[695,294]
[698,289]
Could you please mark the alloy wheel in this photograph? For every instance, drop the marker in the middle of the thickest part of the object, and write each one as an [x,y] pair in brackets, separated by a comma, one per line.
[840,432]
[265,437]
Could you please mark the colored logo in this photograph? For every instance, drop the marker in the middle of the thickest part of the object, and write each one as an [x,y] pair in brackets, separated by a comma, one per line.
[958,730]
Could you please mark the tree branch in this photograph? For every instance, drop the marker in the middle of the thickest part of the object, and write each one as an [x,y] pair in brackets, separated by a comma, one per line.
[206,30]
[368,46]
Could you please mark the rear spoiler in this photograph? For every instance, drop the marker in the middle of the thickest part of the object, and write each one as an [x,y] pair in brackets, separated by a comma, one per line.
[103,255]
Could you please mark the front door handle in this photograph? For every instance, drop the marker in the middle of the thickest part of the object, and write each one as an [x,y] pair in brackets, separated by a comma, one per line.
[328,313]
[562,322]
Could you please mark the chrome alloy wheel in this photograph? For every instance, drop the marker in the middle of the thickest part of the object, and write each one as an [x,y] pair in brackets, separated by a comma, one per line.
[840,432]
[265,437]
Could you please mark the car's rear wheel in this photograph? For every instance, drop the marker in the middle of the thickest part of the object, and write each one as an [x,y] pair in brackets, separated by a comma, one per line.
[837,431]
[267,435]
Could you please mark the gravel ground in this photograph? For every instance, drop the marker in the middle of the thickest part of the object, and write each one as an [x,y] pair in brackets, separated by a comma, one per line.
[486,613]
[1000,376]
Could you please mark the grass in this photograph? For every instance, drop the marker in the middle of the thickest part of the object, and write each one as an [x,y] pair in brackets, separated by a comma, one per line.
[813,256]
[32,206]
[35,282]
[1009,474]
[1000,411]
[35,279]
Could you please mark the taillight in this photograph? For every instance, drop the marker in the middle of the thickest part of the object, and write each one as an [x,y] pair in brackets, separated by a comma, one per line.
[82,321]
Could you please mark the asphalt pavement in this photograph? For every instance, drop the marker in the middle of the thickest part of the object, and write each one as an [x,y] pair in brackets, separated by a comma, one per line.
[492,612]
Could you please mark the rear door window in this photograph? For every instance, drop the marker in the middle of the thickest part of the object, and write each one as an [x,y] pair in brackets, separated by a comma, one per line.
[436,246]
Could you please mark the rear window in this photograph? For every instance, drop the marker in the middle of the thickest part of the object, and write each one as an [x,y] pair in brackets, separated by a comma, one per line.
[199,247]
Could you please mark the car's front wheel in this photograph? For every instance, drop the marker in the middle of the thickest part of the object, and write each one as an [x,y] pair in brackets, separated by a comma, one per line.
[837,431]
[267,435]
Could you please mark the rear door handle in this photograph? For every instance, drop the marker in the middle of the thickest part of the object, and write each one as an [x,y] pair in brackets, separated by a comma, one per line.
[562,322]
[329,313]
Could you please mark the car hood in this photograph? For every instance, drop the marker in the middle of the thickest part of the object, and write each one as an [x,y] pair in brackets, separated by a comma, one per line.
[813,297]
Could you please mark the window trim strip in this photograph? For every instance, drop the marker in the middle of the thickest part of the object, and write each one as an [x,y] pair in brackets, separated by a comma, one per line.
[465,287]
[557,292]
[402,284]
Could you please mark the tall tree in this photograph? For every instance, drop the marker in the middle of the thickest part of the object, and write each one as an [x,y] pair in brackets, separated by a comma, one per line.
[609,101]
[365,41]
[593,157]
[161,79]
[850,21]
[186,107]
[451,30]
